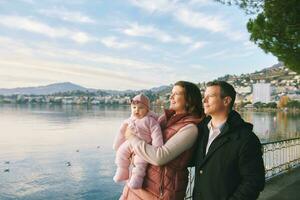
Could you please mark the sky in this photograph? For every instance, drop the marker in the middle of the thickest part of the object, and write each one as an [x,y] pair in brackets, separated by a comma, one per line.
[123,44]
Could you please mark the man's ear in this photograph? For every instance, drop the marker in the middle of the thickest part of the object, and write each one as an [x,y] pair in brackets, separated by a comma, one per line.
[227,100]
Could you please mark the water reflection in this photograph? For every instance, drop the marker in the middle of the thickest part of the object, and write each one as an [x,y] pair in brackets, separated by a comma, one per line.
[39,141]
[274,126]
[66,113]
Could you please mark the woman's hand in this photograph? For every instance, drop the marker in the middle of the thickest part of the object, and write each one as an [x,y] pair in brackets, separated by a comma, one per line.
[128,133]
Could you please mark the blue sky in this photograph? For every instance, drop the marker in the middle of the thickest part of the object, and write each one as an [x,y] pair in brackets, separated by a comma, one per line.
[123,44]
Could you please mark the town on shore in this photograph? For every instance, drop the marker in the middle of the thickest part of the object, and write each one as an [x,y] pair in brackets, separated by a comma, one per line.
[275,87]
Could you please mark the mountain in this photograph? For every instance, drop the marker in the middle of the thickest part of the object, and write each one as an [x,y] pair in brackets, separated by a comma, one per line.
[44,90]
[67,86]
[275,72]
[161,88]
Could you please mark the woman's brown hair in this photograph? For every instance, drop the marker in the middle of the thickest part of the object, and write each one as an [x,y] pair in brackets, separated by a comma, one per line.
[193,98]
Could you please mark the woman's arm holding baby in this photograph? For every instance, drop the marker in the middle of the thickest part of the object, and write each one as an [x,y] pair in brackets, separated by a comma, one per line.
[156,133]
[120,137]
[183,140]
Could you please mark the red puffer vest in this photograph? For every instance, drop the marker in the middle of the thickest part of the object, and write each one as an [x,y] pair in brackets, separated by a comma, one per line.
[166,182]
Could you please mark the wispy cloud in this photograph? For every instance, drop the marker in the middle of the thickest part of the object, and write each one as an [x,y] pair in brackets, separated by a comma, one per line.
[81,37]
[115,43]
[199,67]
[249,45]
[194,47]
[112,42]
[58,64]
[200,2]
[203,73]
[30,25]
[184,39]
[236,35]
[66,15]
[39,42]
[60,71]
[12,46]
[152,6]
[199,20]
[228,54]
[18,22]
[28,1]
[137,30]
[185,14]
[198,45]
[217,54]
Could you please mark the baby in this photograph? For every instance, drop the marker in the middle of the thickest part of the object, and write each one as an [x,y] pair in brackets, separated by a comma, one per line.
[145,125]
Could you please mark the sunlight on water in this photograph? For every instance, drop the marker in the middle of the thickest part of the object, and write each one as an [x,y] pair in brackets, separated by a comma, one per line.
[274,126]
[58,152]
[66,152]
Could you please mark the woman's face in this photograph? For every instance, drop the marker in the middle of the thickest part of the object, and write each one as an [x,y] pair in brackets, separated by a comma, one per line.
[177,99]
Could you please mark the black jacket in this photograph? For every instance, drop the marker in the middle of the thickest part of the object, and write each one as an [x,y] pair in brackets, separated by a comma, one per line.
[233,167]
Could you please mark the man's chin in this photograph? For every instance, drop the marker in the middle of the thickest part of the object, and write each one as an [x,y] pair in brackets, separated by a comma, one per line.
[207,113]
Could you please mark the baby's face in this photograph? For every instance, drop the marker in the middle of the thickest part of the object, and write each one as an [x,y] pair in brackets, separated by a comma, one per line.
[139,110]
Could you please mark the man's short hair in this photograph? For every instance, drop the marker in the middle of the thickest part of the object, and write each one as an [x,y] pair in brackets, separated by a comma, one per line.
[226,90]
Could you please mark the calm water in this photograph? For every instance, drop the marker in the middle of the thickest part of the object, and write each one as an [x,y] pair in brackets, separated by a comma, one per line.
[37,142]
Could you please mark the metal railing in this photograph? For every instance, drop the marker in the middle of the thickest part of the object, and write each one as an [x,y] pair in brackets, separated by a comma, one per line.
[279,157]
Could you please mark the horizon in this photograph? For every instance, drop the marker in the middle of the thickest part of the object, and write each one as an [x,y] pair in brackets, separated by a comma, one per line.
[123,45]
[68,82]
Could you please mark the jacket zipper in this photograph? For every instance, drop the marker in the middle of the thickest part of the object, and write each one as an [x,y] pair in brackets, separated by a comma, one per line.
[161,188]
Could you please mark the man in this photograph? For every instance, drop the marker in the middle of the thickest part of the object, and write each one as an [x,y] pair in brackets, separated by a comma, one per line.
[228,160]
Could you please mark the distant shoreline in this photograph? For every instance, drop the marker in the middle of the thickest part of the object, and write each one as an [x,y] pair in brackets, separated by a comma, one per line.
[289,110]
[154,106]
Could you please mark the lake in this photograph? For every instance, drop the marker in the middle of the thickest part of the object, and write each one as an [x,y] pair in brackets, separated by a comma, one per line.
[65,152]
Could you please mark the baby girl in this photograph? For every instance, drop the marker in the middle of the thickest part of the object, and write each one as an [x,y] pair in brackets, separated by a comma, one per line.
[145,125]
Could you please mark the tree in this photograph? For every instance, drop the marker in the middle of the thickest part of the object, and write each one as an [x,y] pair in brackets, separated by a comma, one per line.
[250,6]
[276,28]
[258,104]
[283,101]
[271,105]
[293,104]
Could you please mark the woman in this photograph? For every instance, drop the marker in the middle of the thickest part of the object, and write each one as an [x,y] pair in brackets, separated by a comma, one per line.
[167,175]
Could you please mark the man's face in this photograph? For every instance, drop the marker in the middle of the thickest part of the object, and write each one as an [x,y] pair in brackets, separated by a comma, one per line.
[213,102]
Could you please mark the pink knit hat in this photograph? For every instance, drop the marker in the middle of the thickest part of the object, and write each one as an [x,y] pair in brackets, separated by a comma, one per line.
[141,98]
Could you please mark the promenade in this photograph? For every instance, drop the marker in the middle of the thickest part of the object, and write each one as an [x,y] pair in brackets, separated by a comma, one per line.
[283,187]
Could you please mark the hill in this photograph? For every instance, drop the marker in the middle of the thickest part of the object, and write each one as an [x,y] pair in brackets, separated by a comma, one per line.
[44,90]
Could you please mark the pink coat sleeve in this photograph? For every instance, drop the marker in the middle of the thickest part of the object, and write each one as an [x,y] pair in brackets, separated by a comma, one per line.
[120,137]
[156,134]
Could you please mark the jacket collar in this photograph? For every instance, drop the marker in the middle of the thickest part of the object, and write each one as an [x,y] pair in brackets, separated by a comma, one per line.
[234,122]
[172,118]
